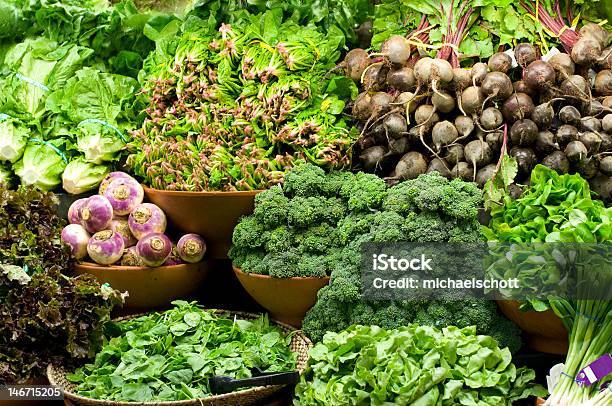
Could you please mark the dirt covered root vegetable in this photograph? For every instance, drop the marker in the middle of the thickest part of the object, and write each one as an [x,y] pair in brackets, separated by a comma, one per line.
[105,247]
[602,186]
[491,118]
[523,132]
[111,177]
[539,75]
[124,194]
[130,257]
[500,62]
[154,249]
[443,134]
[401,79]
[484,174]
[396,49]
[372,157]
[355,62]
[586,51]
[605,165]
[478,154]
[526,160]
[606,123]
[410,166]
[191,248]
[576,152]
[557,161]
[517,107]
[525,54]
[569,115]
[472,99]
[603,83]
[147,218]
[96,214]
[497,86]
[463,171]
[575,86]
[77,238]
[563,66]
[433,72]
[74,211]
[441,166]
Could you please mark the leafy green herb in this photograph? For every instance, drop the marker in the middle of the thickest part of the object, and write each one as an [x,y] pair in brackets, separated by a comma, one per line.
[172,355]
[412,365]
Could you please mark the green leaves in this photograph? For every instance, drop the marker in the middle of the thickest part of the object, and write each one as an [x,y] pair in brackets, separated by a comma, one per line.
[171,355]
[413,365]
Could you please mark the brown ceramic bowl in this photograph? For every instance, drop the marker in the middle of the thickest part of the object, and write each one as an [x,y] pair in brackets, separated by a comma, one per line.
[149,287]
[545,331]
[287,299]
[213,215]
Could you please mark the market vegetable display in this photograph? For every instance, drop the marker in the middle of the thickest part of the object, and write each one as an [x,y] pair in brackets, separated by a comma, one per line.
[559,209]
[172,355]
[315,224]
[116,227]
[414,365]
[233,107]
[420,115]
[46,316]
[68,93]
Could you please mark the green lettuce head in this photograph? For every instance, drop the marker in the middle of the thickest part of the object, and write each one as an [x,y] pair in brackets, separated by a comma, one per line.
[13,139]
[99,143]
[81,176]
[42,164]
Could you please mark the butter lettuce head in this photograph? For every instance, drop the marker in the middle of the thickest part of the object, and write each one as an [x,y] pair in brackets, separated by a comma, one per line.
[42,165]
[81,176]
[13,139]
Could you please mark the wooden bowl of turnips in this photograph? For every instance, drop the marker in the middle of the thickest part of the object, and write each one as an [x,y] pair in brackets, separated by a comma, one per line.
[122,241]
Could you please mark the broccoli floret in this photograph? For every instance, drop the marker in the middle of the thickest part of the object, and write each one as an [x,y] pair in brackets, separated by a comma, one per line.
[281,264]
[336,210]
[366,192]
[305,180]
[271,207]
[433,192]
[362,313]
[425,227]
[247,233]
[392,316]
[278,240]
[465,231]
[313,266]
[351,226]
[387,227]
[326,315]
[315,239]
[463,201]
[249,261]
[506,333]
[306,211]
[335,181]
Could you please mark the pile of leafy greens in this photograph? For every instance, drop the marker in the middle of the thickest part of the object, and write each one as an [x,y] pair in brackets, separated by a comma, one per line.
[67,89]
[45,315]
[172,355]
[232,107]
[414,365]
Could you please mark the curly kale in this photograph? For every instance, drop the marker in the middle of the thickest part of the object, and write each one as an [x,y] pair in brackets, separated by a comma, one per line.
[364,192]
[271,207]
[278,240]
[306,211]
[248,232]
[305,180]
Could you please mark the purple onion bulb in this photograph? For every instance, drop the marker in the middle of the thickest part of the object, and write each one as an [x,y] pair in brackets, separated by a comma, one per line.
[191,248]
[96,214]
[77,238]
[147,218]
[105,247]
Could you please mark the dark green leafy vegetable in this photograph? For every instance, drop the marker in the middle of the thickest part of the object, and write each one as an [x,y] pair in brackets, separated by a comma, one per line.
[413,365]
[172,355]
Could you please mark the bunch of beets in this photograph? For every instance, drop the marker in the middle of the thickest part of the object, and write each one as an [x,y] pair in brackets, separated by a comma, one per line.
[419,115]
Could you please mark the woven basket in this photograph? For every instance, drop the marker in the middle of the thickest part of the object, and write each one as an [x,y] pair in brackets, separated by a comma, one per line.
[300,345]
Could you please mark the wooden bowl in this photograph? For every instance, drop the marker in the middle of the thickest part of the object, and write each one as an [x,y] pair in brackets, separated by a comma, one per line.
[149,287]
[213,215]
[287,299]
[545,331]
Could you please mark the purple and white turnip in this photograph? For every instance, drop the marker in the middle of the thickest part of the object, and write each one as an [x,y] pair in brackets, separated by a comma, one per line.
[154,249]
[191,248]
[105,247]
[96,214]
[77,238]
[146,218]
